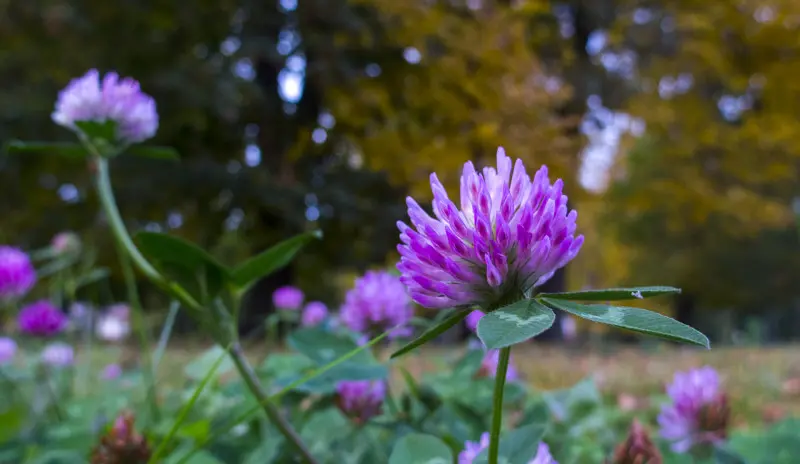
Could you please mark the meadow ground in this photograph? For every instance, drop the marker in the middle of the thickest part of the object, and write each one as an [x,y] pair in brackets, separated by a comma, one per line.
[763,383]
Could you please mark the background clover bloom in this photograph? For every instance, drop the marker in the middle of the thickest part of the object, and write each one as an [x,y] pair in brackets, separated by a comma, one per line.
[698,412]
[17,274]
[314,313]
[111,372]
[638,448]
[361,399]
[114,324]
[66,243]
[473,448]
[58,355]
[8,349]
[489,366]
[472,320]
[89,98]
[41,319]
[377,302]
[288,298]
[510,235]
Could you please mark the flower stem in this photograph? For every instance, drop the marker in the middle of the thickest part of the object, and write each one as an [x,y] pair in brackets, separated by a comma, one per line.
[497,412]
[109,204]
[103,183]
[250,378]
[141,330]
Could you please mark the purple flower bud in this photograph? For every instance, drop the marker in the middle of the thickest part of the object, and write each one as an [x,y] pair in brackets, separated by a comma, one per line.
[41,319]
[288,298]
[111,372]
[8,349]
[361,399]
[379,302]
[66,243]
[58,354]
[17,275]
[88,99]
[474,448]
[698,412]
[314,313]
[512,233]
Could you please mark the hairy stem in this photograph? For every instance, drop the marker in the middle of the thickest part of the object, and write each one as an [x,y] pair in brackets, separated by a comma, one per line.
[250,378]
[497,412]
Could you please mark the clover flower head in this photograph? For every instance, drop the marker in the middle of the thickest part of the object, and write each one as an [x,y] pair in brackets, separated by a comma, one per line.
[288,298]
[111,372]
[638,448]
[41,319]
[17,275]
[314,313]
[378,302]
[698,412]
[361,399]
[90,98]
[511,234]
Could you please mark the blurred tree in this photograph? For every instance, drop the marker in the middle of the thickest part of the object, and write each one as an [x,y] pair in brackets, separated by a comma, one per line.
[703,200]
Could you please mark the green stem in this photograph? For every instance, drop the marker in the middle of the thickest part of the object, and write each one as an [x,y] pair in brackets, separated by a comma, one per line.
[109,204]
[250,378]
[166,332]
[103,183]
[497,412]
[141,330]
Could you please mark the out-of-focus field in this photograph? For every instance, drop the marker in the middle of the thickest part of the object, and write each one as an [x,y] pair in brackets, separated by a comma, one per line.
[763,384]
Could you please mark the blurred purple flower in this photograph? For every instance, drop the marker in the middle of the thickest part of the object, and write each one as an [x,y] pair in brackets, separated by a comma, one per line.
[378,302]
[489,366]
[511,234]
[361,399]
[288,298]
[41,319]
[698,412]
[114,324]
[58,355]
[474,448]
[17,275]
[8,349]
[111,372]
[569,327]
[65,243]
[472,320]
[314,313]
[87,98]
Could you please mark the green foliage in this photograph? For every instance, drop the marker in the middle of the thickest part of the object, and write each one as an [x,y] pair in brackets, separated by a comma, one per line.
[65,149]
[437,329]
[271,260]
[514,323]
[612,294]
[417,448]
[634,319]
